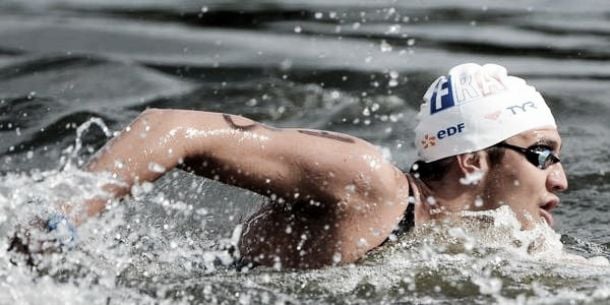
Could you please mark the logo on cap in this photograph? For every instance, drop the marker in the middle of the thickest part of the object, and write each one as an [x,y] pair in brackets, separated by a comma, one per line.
[442,96]
[450,131]
[428,141]
[520,108]
[467,86]
[493,115]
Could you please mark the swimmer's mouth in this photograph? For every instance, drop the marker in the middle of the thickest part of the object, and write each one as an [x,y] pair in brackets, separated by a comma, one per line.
[545,211]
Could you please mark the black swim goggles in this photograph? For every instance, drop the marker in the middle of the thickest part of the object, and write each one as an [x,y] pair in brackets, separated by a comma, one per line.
[540,156]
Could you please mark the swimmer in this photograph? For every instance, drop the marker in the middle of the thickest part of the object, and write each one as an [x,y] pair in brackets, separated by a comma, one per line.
[484,140]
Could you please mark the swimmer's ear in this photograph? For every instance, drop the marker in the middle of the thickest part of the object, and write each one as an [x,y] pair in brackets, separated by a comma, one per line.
[471,163]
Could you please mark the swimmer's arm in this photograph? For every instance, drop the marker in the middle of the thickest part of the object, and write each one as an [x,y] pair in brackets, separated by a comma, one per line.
[142,152]
[299,166]
[342,181]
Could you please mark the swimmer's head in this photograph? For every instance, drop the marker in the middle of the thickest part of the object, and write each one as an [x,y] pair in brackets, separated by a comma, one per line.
[475,107]
[486,139]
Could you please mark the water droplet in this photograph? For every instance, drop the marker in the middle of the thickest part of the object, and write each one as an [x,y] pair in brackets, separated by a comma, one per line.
[478,202]
[118,164]
[336,258]
[394,28]
[156,167]
[252,102]
[385,46]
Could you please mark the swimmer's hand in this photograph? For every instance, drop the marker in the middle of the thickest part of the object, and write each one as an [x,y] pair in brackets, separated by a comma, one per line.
[52,235]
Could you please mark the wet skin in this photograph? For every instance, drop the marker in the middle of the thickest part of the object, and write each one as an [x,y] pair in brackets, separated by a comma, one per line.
[529,191]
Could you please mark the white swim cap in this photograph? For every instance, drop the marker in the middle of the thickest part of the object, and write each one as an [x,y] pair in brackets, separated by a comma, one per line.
[476,107]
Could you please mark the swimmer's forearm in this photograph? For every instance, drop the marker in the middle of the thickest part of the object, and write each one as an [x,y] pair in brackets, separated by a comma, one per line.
[296,164]
[159,140]
[138,154]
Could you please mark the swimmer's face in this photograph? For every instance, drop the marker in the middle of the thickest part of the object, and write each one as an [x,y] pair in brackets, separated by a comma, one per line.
[531,192]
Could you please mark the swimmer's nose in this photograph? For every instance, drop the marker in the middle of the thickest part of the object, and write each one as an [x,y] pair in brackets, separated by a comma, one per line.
[556,180]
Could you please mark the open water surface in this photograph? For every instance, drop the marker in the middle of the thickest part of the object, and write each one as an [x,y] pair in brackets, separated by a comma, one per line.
[348,66]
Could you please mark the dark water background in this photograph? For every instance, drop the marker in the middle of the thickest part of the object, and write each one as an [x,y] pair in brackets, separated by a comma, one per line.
[348,66]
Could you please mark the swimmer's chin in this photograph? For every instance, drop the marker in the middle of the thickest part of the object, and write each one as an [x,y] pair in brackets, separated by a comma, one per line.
[547,218]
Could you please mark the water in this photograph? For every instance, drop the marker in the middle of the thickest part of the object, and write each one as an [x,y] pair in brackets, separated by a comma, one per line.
[354,67]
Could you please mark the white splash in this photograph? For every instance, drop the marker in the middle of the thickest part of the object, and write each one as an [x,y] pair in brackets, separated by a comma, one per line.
[472,178]
[501,230]
[72,151]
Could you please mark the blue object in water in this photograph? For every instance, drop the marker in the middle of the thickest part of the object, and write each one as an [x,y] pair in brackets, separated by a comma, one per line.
[60,223]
